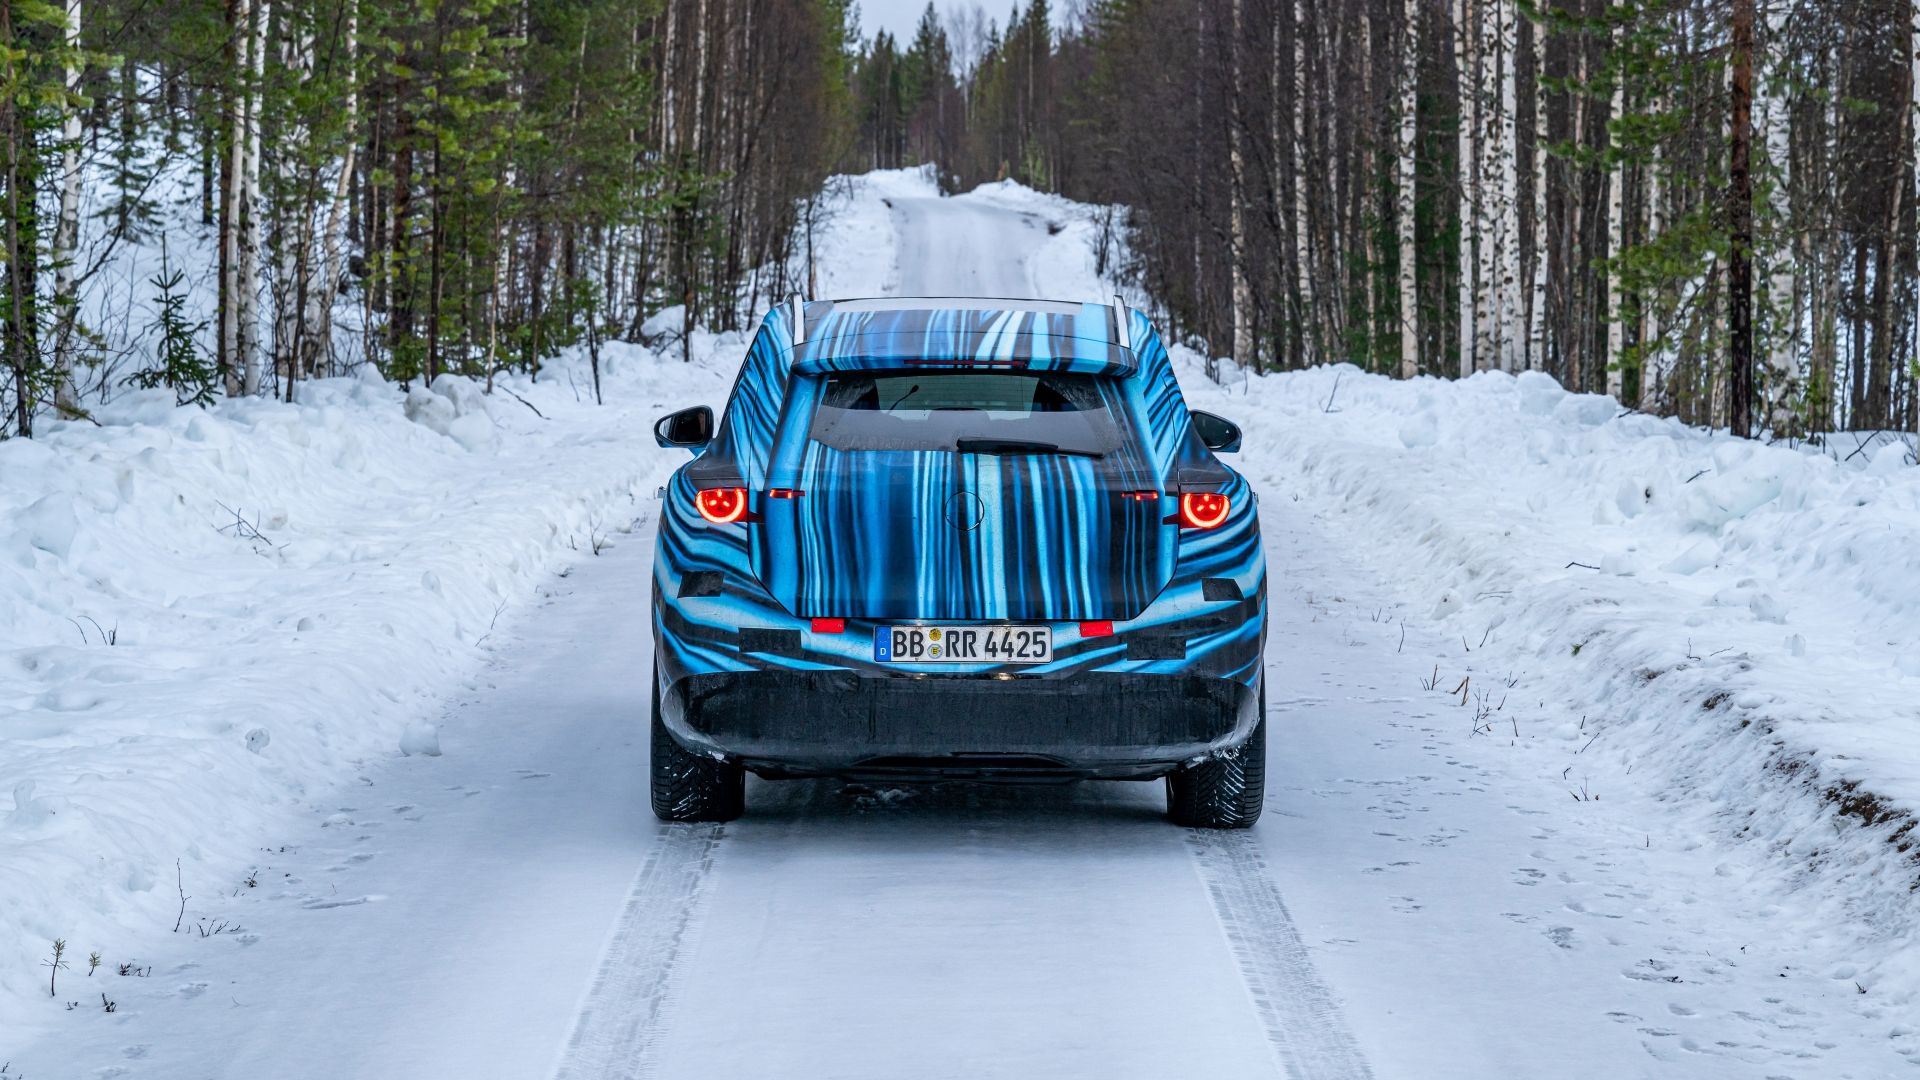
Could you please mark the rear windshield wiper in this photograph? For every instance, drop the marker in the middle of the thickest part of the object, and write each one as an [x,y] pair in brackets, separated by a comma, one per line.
[1016,446]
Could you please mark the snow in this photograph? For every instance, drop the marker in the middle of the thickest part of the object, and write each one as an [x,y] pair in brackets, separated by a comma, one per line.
[1717,628]
[210,617]
[1567,705]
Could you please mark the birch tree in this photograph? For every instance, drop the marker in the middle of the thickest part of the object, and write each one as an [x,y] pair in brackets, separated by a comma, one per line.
[1465,35]
[1617,242]
[1783,347]
[66,235]
[1406,177]
[1244,352]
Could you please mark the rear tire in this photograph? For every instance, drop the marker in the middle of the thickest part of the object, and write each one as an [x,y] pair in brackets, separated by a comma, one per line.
[689,786]
[1225,792]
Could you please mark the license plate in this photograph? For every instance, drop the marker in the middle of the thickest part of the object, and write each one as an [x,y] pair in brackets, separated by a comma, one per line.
[963,644]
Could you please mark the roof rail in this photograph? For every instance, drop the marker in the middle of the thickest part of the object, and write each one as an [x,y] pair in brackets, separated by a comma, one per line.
[1123,328]
[799,319]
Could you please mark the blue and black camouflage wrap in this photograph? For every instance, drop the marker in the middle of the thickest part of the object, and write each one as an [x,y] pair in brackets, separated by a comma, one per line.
[1054,539]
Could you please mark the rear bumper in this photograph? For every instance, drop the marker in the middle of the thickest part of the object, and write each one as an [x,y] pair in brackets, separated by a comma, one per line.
[919,726]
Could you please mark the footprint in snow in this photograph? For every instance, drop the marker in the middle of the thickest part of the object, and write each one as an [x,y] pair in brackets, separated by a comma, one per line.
[528,774]
[318,904]
[1650,971]
[1561,936]
[1390,866]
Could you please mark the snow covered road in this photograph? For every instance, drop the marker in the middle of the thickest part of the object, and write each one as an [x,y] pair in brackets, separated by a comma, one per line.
[1419,902]
[962,247]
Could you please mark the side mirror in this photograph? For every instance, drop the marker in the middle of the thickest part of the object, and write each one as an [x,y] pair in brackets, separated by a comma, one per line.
[1219,433]
[688,429]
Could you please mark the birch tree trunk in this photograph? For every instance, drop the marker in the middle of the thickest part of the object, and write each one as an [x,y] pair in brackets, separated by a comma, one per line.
[1242,299]
[1508,306]
[1406,202]
[1287,330]
[1616,241]
[239,40]
[66,233]
[318,345]
[1653,352]
[668,80]
[1485,164]
[294,230]
[699,78]
[249,300]
[1537,306]
[1463,36]
[1302,224]
[1783,353]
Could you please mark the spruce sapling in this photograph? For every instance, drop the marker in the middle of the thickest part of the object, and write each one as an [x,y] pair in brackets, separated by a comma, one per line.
[55,965]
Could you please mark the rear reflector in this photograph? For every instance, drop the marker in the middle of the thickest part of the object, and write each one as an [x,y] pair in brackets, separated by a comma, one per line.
[1140,496]
[1101,628]
[784,493]
[829,626]
[1220,588]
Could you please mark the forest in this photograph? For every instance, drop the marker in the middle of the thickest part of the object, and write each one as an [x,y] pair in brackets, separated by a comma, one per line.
[1448,186]
[1703,207]
[427,185]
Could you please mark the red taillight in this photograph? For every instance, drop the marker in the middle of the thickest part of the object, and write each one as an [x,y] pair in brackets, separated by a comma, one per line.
[1100,628]
[829,626]
[722,506]
[1203,509]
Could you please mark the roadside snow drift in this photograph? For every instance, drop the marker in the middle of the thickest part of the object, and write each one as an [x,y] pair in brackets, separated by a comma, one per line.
[209,617]
[1716,624]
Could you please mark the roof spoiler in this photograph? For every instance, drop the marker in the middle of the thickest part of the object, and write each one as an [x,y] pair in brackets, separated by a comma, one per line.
[1122,323]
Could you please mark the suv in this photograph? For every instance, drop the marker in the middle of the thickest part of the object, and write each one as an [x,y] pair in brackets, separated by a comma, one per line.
[942,539]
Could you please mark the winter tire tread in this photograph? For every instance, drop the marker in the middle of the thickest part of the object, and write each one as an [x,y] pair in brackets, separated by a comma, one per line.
[689,786]
[1227,791]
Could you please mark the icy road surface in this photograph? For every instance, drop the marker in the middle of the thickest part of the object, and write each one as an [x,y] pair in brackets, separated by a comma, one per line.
[1414,904]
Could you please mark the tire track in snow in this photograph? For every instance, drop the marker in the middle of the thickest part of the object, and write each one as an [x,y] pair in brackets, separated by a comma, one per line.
[1309,1037]
[625,1011]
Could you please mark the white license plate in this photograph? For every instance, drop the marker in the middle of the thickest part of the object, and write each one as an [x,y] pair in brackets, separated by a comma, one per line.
[963,644]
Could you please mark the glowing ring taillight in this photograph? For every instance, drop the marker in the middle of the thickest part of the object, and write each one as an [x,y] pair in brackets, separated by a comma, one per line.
[1203,509]
[721,506]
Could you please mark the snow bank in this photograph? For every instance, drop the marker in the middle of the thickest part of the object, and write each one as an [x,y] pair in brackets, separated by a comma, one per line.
[208,618]
[1722,626]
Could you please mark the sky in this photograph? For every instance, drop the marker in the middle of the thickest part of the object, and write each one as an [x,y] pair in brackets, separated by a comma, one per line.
[897,17]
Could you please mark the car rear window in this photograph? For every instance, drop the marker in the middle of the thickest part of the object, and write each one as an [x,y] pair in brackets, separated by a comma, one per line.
[1021,411]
